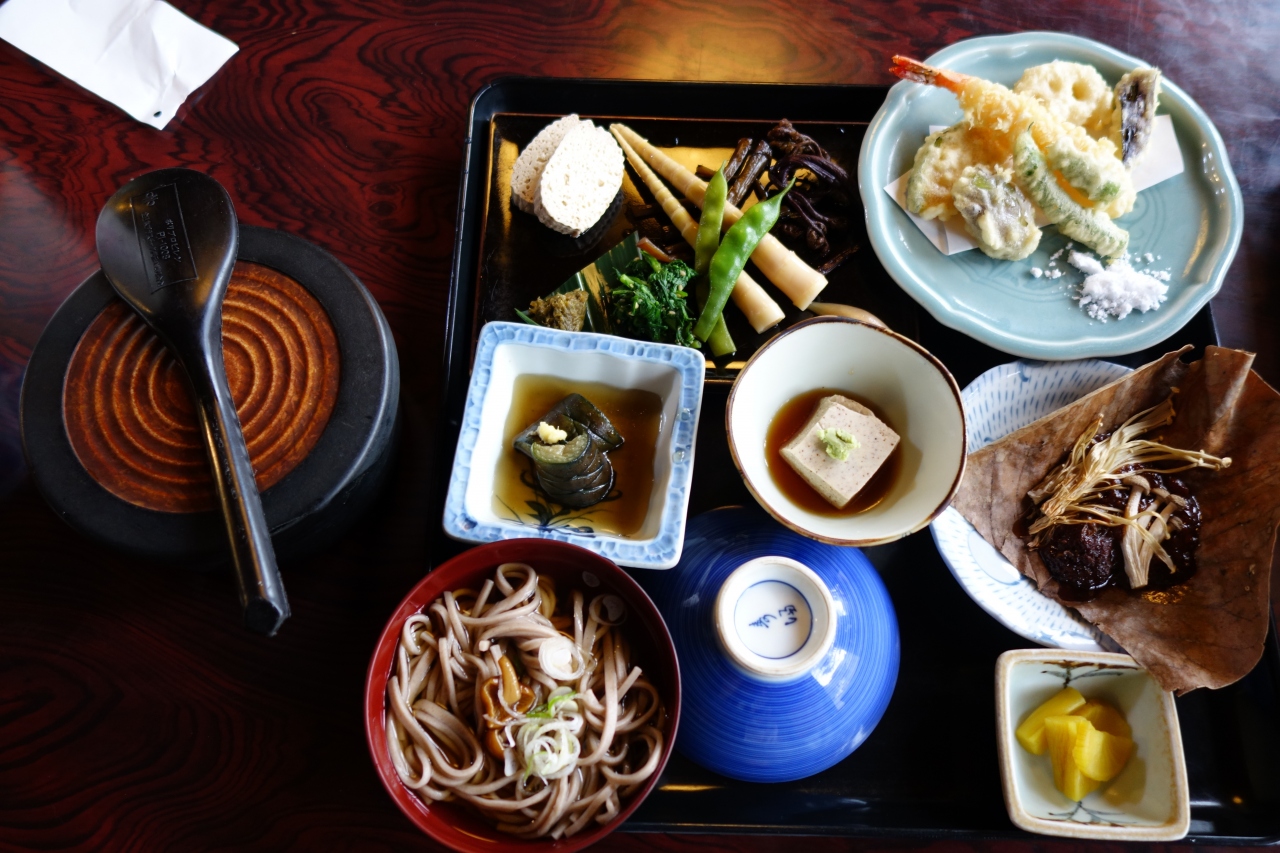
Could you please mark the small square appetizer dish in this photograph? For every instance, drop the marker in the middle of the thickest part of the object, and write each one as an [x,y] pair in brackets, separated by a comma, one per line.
[846,432]
[524,696]
[1089,747]
[579,437]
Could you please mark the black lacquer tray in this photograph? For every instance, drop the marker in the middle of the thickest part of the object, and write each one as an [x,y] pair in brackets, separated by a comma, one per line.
[930,767]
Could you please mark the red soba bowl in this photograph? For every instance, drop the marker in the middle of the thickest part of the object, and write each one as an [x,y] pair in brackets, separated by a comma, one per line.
[455,824]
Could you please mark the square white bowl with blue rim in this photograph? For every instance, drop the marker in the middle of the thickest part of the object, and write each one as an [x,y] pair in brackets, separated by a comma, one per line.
[1148,801]
[507,351]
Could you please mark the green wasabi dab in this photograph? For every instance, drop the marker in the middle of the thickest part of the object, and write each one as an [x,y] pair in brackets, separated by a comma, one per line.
[838,443]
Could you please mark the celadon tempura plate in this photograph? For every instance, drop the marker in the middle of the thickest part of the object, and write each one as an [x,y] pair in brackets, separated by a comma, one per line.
[1192,221]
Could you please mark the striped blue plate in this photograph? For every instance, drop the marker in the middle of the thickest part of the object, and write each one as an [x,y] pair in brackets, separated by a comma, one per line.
[1004,399]
[769,731]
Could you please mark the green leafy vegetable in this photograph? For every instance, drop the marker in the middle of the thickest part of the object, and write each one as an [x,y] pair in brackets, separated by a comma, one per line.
[650,302]
[547,710]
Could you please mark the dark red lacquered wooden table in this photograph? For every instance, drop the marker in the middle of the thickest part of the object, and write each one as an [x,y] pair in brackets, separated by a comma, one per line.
[135,713]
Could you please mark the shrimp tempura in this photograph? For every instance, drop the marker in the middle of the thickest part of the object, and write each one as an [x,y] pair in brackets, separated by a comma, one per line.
[995,107]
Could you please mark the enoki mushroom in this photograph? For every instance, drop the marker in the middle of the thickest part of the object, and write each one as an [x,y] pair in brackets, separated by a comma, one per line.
[533,716]
[1070,493]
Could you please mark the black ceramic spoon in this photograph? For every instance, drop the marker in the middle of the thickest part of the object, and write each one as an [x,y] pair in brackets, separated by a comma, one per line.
[167,242]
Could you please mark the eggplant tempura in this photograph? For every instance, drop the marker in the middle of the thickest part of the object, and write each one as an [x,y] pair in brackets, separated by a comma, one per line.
[1207,627]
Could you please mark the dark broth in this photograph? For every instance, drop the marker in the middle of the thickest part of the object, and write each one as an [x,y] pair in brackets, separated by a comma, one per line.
[790,419]
[636,414]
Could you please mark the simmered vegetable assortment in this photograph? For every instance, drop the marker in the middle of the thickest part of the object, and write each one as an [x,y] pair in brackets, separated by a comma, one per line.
[756,305]
[800,282]
[647,298]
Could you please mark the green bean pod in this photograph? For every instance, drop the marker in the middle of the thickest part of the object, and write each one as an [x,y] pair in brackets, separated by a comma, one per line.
[720,341]
[711,221]
[736,247]
[705,245]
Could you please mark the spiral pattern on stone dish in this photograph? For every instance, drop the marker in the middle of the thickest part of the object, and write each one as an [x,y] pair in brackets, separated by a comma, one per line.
[130,416]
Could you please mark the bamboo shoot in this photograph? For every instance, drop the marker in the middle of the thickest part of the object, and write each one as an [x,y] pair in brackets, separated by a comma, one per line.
[799,281]
[760,309]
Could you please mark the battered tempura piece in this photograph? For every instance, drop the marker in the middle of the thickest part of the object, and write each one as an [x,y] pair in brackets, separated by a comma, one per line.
[996,213]
[1071,91]
[1137,95]
[996,108]
[1208,631]
[943,157]
[1088,225]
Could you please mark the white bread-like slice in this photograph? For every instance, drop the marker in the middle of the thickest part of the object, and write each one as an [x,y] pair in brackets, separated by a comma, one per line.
[580,180]
[533,159]
[839,481]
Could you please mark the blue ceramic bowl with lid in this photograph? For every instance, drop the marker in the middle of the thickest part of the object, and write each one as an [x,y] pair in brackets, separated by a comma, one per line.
[788,647]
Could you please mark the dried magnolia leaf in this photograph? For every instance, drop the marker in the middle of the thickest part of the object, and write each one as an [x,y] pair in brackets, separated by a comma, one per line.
[1209,631]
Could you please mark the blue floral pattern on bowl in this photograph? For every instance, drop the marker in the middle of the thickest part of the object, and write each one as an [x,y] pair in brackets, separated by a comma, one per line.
[1000,401]
[771,730]
[507,350]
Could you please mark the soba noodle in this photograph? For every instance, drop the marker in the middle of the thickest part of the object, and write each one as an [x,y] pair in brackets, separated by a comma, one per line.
[577,733]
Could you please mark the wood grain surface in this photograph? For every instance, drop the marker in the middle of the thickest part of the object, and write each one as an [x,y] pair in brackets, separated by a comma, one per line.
[129,413]
[135,713]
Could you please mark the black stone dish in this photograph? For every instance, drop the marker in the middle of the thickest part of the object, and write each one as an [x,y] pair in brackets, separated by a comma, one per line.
[313,504]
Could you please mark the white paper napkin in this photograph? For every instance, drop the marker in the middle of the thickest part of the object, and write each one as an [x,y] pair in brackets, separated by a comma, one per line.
[144,56]
[1163,161]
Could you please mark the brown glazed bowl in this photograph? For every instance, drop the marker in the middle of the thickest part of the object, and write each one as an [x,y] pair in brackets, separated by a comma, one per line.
[452,823]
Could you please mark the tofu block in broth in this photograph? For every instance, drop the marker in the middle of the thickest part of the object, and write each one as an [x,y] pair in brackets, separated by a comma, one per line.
[835,479]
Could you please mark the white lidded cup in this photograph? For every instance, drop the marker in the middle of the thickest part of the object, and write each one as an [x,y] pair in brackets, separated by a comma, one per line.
[775,618]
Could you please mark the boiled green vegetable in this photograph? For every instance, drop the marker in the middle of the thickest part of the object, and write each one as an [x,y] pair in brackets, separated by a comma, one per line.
[720,342]
[708,241]
[650,302]
[710,223]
